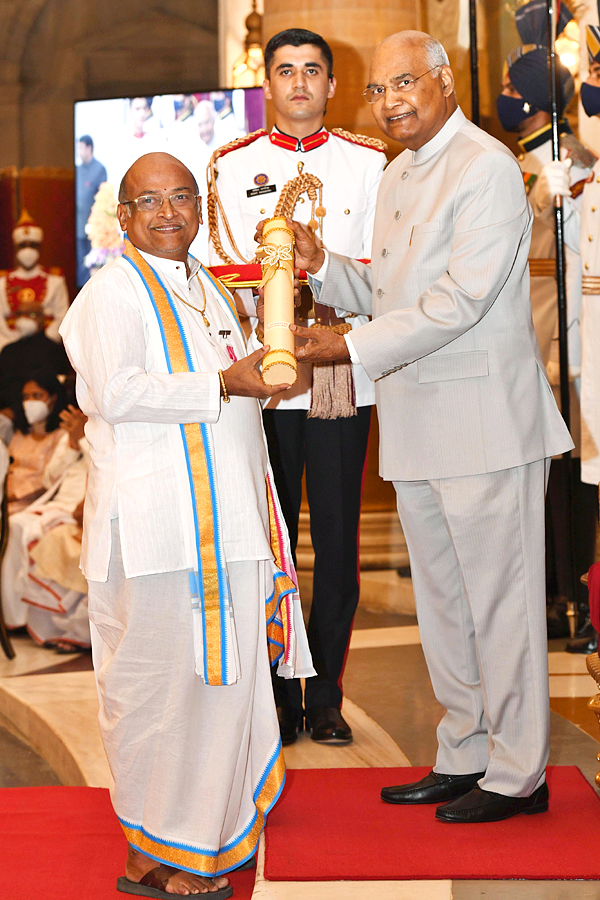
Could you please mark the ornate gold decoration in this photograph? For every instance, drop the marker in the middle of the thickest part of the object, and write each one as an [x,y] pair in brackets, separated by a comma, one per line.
[362,139]
[593,667]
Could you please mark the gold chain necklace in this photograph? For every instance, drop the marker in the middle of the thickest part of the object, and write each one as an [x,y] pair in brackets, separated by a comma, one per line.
[191,306]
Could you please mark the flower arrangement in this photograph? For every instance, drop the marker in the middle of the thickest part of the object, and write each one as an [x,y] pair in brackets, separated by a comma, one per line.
[103,229]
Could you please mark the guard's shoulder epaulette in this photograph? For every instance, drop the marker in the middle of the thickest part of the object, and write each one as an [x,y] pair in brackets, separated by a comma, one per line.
[54,270]
[361,139]
[243,141]
[578,152]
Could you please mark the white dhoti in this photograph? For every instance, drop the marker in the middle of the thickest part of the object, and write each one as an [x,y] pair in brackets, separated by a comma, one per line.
[195,768]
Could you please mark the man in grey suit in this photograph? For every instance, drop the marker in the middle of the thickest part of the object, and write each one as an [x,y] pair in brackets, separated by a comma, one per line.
[468,424]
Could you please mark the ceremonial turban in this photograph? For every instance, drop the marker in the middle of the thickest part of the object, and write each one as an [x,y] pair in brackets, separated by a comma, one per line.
[527,66]
[27,230]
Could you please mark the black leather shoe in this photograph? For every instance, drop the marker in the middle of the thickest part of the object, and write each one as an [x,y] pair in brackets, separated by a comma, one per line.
[327,725]
[290,723]
[557,621]
[586,640]
[485,806]
[434,788]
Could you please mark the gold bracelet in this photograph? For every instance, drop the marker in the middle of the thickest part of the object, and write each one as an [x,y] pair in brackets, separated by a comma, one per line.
[260,334]
[225,395]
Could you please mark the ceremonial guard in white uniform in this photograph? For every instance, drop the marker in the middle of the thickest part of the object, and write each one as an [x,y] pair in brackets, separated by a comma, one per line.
[590,314]
[524,108]
[590,259]
[329,441]
[33,303]
[32,298]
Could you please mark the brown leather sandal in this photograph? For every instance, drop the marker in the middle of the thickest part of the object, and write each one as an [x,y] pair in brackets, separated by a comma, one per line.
[154,882]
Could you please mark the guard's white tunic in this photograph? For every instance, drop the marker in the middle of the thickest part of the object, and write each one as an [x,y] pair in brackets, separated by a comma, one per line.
[350,174]
[590,332]
[195,768]
[543,288]
[54,305]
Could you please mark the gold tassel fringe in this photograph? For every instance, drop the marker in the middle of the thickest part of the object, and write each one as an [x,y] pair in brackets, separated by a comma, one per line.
[333,395]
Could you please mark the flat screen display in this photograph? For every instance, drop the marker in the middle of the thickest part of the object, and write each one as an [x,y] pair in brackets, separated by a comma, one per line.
[111,134]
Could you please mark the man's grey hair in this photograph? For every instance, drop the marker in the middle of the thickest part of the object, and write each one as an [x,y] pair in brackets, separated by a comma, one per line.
[435,54]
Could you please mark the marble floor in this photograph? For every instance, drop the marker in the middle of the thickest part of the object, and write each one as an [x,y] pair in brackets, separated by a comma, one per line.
[48,707]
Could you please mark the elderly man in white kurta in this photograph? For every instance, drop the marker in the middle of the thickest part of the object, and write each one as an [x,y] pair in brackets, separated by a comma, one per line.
[467,422]
[183,549]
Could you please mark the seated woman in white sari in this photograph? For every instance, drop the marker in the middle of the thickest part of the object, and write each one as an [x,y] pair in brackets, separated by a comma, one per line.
[36,437]
[41,583]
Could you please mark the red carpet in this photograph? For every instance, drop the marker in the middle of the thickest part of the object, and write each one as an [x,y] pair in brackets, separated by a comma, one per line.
[330,824]
[64,843]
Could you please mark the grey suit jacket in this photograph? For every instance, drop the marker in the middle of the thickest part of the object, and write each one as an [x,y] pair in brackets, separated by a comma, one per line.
[461,388]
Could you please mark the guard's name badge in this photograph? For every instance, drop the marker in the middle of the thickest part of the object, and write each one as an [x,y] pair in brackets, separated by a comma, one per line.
[264,189]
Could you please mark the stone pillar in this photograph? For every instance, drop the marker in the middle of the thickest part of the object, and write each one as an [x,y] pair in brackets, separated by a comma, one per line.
[10,110]
[353,28]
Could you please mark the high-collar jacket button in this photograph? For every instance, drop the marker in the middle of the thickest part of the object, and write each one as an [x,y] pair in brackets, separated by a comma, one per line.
[405,175]
[397,214]
[379,292]
[384,252]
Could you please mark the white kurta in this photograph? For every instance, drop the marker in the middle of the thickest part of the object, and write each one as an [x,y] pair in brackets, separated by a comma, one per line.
[350,174]
[138,468]
[195,768]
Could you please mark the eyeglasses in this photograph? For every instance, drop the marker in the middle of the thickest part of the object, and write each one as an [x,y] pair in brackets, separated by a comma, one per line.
[401,86]
[152,202]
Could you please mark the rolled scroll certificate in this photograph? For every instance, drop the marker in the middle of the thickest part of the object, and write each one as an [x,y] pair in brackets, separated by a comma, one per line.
[276,254]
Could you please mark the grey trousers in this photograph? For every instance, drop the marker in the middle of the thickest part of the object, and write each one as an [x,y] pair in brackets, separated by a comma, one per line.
[476,548]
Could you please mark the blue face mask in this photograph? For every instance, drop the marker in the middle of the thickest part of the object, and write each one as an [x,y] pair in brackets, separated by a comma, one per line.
[512,111]
[590,99]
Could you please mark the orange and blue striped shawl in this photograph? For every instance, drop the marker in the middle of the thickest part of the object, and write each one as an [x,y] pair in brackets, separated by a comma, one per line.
[209,584]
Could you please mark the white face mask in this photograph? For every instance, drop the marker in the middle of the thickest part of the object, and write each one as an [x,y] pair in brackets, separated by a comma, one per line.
[35,411]
[28,256]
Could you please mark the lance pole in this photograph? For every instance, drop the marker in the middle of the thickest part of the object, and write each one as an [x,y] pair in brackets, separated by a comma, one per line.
[474,62]
[565,398]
